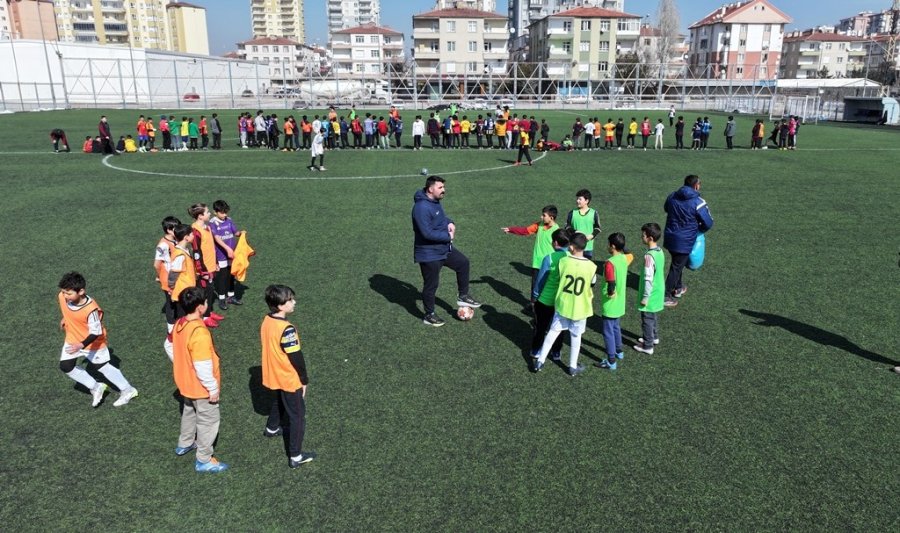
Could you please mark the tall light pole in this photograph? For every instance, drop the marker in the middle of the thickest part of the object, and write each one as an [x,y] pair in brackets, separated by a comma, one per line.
[46,55]
[12,48]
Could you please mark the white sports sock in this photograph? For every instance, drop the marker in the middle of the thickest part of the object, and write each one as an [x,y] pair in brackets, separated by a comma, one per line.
[230,294]
[297,458]
[115,376]
[575,344]
[169,328]
[221,296]
[549,339]
[167,346]
[81,376]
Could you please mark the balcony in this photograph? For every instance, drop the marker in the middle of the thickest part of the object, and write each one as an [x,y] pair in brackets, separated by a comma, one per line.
[857,53]
[496,54]
[810,53]
[426,53]
[559,52]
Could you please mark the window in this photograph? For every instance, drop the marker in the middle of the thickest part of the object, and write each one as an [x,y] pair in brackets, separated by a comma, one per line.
[473,46]
[741,57]
[567,47]
[842,46]
[360,39]
[471,66]
[450,67]
[604,25]
[488,46]
[742,43]
[374,54]
[840,60]
[567,26]
[704,43]
[585,25]
[451,26]
[828,46]
[373,39]
[359,67]
[584,46]
[739,71]
[255,48]
[265,49]
[472,26]
[435,46]
[451,46]
[604,46]
[387,40]
[603,66]
[646,42]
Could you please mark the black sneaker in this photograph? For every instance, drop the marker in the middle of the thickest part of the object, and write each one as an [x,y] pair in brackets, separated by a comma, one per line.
[465,300]
[271,434]
[234,300]
[432,319]
[305,457]
[555,357]
[223,304]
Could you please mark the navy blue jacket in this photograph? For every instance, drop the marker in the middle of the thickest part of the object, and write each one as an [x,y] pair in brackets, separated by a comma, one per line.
[688,215]
[432,237]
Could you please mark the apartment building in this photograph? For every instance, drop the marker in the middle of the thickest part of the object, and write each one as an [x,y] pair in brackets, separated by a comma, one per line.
[460,42]
[738,41]
[187,28]
[278,18]
[289,61]
[582,43]
[136,23]
[367,50]
[343,14]
[29,19]
[648,48]
[817,54]
[856,25]
[522,13]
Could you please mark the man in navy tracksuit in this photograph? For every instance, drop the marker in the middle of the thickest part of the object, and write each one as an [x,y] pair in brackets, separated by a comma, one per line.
[433,248]
[688,216]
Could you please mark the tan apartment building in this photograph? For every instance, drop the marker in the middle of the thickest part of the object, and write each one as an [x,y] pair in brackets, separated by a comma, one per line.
[187,28]
[278,18]
[136,23]
[31,19]
[738,41]
[460,42]
[367,50]
[816,54]
[582,43]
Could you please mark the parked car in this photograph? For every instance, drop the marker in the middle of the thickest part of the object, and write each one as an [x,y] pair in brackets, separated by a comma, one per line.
[191,97]
[438,107]
[300,104]
[246,93]
[283,93]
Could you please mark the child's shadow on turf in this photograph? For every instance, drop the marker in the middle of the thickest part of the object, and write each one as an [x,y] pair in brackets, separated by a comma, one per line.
[403,294]
[521,268]
[817,335]
[260,396]
[506,290]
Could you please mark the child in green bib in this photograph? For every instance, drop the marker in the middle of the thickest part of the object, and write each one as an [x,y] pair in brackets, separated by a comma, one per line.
[612,300]
[651,288]
[543,242]
[584,220]
[574,303]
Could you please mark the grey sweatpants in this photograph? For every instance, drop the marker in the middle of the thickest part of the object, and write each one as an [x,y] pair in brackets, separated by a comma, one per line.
[650,328]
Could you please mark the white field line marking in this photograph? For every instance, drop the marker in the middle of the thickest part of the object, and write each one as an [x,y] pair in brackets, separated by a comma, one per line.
[303,178]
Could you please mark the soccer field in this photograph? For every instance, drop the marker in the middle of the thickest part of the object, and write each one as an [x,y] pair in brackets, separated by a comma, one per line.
[770,403]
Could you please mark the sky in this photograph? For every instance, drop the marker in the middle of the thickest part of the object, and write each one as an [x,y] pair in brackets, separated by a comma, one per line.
[228,21]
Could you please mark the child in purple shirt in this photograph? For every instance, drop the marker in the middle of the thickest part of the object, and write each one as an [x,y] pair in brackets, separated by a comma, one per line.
[225,236]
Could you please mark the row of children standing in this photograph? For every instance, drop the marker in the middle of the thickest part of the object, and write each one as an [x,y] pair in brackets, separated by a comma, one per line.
[564,273]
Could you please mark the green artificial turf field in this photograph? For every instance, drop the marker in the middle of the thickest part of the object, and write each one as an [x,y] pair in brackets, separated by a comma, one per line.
[769,405]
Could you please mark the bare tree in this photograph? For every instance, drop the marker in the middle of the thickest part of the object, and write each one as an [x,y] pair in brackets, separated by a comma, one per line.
[669,23]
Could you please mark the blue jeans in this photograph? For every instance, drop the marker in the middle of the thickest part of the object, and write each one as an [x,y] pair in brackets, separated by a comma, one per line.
[612,336]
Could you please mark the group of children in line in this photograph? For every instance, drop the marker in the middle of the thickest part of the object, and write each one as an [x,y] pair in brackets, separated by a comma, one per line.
[783,136]
[564,274]
[189,261]
[185,135]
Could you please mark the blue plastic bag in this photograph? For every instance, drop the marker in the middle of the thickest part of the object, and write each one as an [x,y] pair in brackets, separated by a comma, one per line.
[698,253]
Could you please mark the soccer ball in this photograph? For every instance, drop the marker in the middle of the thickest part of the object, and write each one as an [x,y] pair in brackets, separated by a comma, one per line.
[465,313]
[424,172]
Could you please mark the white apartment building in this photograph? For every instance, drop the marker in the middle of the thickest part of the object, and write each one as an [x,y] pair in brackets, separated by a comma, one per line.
[460,42]
[738,41]
[136,23]
[288,60]
[343,14]
[366,51]
[278,18]
[5,26]
[522,13]
[808,54]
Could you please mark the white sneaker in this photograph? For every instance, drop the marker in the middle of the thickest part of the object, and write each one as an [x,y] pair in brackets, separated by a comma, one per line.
[97,394]
[125,397]
[322,168]
[640,348]
[641,341]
